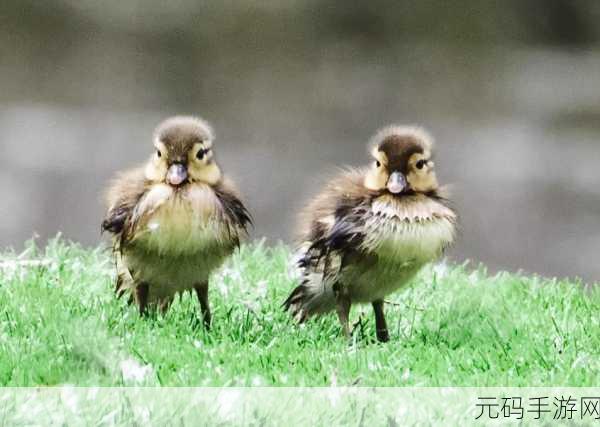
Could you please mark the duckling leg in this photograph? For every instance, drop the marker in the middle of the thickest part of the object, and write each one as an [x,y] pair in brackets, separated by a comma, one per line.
[343,311]
[141,297]
[380,324]
[164,305]
[119,289]
[202,293]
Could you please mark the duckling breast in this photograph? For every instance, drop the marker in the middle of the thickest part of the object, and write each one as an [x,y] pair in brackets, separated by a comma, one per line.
[402,235]
[179,221]
[409,230]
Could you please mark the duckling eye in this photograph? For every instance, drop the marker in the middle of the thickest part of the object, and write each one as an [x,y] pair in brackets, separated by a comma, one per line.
[420,164]
[377,163]
[200,154]
[158,154]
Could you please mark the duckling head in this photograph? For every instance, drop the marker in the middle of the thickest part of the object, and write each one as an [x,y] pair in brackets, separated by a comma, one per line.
[183,153]
[401,161]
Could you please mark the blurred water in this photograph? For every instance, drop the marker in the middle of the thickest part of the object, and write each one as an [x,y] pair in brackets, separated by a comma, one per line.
[518,136]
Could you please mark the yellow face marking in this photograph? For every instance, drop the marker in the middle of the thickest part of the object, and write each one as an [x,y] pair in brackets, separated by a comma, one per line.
[156,169]
[203,169]
[421,180]
[377,176]
[160,146]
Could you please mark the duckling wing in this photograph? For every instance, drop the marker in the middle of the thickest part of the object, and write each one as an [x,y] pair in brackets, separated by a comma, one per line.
[122,196]
[233,211]
[115,219]
[341,242]
[321,262]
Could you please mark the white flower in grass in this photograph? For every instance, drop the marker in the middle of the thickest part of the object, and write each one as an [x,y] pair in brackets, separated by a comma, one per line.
[582,360]
[142,415]
[334,394]
[77,266]
[406,374]
[227,278]
[474,278]
[133,371]
[110,418]
[11,268]
[559,344]
[333,379]
[401,412]
[257,381]
[251,305]
[69,398]
[262,287]
[227,401]
[92,393]
[441,270]
[221,286]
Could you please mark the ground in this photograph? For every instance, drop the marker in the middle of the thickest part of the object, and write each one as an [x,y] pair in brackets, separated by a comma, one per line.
[60,323]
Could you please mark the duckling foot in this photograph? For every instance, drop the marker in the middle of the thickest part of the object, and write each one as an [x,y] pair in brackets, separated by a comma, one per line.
[343,312]
[380,324]
[202,293]
[141,297]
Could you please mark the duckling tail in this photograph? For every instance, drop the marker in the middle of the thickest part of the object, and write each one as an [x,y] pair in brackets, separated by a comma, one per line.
[315,293]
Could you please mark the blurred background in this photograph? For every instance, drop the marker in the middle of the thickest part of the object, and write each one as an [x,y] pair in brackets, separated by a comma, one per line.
[510,89]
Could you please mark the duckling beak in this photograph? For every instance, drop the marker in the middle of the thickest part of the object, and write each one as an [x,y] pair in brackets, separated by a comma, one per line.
[177,174]
[396,183]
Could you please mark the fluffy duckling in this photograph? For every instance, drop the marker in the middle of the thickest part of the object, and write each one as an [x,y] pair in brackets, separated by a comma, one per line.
[174,220]
[371,230]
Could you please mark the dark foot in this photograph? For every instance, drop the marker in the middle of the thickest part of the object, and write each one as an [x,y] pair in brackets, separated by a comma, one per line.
[202,293]
[380,324]
[141,297]
[383,335]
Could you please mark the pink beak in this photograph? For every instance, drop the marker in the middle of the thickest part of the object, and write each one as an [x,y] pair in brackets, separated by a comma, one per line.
[396,183]
[177,174]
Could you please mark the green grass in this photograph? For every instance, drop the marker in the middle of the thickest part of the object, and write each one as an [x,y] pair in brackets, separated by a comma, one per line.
[61,324]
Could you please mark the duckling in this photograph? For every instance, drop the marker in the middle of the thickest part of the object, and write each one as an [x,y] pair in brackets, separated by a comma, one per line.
[174,220]
[371,230]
